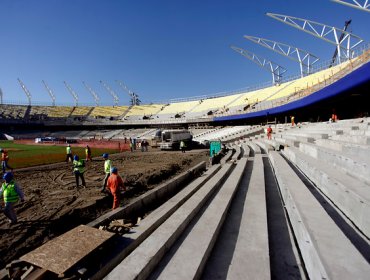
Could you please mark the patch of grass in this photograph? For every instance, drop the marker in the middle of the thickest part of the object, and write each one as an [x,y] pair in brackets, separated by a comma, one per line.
[21,155]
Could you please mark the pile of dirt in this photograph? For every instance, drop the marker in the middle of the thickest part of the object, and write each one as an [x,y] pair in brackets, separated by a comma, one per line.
[53,204]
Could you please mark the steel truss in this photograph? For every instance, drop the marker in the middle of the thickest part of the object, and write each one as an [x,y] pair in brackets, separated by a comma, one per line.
[93,93]
[50,92]
[325,32]
[276,70]
[26,91]
[111,92]
[305,59]
[72,92]
[355,4]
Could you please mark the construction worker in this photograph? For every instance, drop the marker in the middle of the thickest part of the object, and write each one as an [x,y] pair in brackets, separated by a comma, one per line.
[88,153]
[11,193]
[182,146]
[4,160]
[115,185]
[79,170]
[292,120]
[269,132]
[69,156]
[107,168]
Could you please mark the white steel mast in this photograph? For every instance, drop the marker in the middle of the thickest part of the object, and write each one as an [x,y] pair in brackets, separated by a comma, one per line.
[93,93]
[72,92]
[305,59]
[325,32]
[26,91]
[111,92]
[276,70]
[355,4]
[50,92]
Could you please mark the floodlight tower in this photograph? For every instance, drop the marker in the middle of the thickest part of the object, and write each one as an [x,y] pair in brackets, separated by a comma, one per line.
[305,59]
[325,32]
[134,97]
[1,96]
[111,92]
[50,92]
[26,91]
[276,70]
[72,92]
[93,93]
[355,4]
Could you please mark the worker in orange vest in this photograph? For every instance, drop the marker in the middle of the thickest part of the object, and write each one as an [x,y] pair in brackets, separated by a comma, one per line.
[115,185]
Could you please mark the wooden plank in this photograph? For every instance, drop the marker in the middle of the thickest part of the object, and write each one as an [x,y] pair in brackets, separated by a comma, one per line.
[63,252]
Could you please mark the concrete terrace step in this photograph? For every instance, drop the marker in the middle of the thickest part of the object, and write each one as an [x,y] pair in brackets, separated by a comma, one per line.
[148,254]
[264,145]
[256,149]
[251,256]
[337,159]
[296,138]
[227,157]
[351,196]
[246,150]
[326,251]
[359,152]
[285,142]
[150,197]
[273,143]
[307,134]
[354,139]
[155,219]
[237,154]
[322,130]
[360,132]
[190,258]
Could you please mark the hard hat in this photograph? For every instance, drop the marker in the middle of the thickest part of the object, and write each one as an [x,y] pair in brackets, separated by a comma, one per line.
[8,176]
[76,157]
[114,170]
[105,155]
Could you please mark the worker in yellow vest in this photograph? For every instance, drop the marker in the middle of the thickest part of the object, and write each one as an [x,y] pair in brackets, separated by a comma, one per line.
[107,169]
[11,193]
[69,156]
[79,170]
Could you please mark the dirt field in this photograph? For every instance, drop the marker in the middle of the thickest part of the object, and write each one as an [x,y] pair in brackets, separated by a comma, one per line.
[53,205]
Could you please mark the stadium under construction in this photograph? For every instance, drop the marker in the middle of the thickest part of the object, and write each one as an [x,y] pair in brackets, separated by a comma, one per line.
[291,205]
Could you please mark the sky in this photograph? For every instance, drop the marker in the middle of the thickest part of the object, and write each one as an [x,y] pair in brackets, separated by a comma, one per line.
[162,50]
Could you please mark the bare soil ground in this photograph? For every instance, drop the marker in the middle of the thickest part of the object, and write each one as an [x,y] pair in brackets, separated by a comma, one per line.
[53,205]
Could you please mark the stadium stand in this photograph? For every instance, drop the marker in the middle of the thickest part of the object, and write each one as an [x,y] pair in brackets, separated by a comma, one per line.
[13,111]
[108,111]
[81,111]
[176,110]
[330,245]
[142,112]
[213,104]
